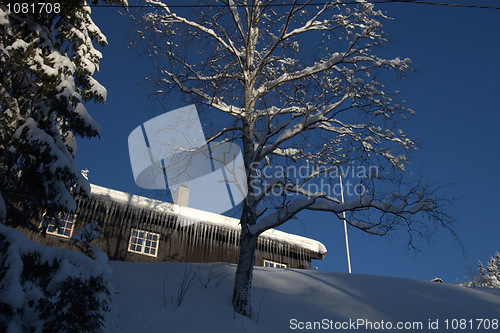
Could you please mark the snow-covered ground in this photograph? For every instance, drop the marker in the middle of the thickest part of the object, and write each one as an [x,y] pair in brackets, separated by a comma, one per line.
[177,297]
[287,300]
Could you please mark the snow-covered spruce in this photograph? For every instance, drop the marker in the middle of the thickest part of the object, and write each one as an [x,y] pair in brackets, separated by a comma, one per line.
[44,289]
[489,276]
[47,63]
[85,236]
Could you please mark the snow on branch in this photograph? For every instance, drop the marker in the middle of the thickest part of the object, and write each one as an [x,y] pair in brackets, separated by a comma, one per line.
[206,98]
[323,202]
[236,17]
[318,67]
[173,17]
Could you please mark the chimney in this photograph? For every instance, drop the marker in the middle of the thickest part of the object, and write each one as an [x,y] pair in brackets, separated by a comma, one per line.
[181,195]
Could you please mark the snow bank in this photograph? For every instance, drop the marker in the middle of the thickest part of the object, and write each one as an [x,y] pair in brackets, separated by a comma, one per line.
[282,297]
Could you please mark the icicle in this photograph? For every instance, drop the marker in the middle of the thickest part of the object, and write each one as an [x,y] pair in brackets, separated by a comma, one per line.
[194,238]
[230,246]
[264,246]
[79,208]
[289,255]
[211,238]
[201,241]
[147,220]
[144,220]
[279,252]
[141,216]
[206,229]
[86,209]
[127,215]
[136,217]
[265,243]
[302,256]
[226,247]
[120,215]
[235,246]
[93,213]
[150,222]
[184,241]
[79,204]
[234,240]
[216,242]
[181,235]
[203,244]
[158,221]
[270,249]
[170,221]
[111,218]
[162,220]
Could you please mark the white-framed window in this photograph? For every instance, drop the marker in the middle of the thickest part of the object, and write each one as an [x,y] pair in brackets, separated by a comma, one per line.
[144,242]
[66,226]
[269,263]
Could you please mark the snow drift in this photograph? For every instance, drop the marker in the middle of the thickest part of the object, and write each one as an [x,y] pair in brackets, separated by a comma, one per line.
[287,300]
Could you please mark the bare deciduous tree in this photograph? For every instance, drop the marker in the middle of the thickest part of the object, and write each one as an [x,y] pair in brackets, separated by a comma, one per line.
[303,87]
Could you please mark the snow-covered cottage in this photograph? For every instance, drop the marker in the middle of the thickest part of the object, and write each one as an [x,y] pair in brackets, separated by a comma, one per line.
[135,228]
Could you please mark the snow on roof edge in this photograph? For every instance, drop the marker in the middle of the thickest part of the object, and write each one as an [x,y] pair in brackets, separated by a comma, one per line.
[204,216]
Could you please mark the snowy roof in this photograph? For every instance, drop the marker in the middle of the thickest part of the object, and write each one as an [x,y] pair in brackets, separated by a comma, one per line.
[197,215]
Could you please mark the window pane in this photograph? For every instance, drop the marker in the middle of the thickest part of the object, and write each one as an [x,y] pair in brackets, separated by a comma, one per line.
[143,242]
[60,231]
[65,226]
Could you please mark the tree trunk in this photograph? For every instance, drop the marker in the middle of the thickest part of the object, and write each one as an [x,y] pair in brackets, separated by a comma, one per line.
[244,273]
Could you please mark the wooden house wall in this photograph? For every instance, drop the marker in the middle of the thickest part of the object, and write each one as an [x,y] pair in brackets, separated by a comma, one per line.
[197,242]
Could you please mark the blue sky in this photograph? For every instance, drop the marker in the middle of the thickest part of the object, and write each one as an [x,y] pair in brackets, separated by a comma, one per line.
[454,90]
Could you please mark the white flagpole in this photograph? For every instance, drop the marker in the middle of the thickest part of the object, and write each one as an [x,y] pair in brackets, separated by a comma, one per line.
[345,227]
